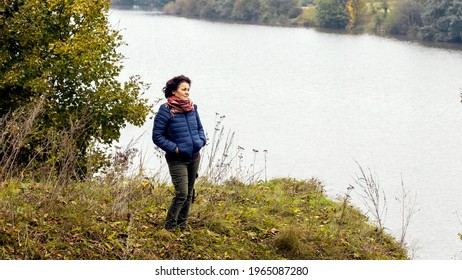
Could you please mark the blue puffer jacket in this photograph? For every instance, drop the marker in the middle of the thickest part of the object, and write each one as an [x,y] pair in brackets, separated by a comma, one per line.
[183,130]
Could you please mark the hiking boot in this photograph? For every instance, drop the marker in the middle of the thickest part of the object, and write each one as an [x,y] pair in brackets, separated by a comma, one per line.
[184,227]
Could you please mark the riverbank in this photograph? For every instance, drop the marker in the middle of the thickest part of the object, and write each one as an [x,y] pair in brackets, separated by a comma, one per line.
[123,219]
[298,24]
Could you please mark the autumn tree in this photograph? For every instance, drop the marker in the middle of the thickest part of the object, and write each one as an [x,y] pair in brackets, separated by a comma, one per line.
[406,18]
[150,3]
[357,13]
[246,10]
[279,12]
[332,13]
[65,54]
[442,20]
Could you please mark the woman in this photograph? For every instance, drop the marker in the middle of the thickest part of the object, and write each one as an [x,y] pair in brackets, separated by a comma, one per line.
[179,132]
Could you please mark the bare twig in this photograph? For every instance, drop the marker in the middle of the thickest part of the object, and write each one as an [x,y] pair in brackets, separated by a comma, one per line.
[372,195]
[15,128]
[224,162]
[408,204]
[344,206]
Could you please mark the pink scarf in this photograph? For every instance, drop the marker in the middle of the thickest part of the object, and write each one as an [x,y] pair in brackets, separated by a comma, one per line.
[179,105]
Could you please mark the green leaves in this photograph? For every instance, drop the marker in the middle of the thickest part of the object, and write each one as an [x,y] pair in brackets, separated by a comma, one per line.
[442,21]
[332,13]
[67,52]
[262,11]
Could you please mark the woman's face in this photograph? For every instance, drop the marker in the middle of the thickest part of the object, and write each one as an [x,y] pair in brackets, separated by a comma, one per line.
[182,92]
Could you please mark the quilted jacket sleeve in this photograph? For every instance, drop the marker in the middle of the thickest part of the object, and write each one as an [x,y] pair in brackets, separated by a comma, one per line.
[200,128]
[159,131]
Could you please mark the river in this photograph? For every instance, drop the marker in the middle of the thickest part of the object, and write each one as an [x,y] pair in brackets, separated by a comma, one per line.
[319,102]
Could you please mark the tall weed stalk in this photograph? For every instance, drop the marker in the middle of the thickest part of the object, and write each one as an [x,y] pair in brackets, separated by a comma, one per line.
[374,199]
[408,209]
[224,160]
[371,194]
[15,128]
[54,156]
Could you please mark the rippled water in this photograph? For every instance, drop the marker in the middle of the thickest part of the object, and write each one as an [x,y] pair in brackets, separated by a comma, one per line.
[318,102]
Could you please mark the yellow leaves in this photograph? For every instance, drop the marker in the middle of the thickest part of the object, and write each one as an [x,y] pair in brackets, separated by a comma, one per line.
[76,229]
[112,235]
[251,234]
[145,183]
[230,218]
[295,211]
[351,12]
[322,220]
[270,232]
[344,242]
[211,233]
[115,224]
[356,12]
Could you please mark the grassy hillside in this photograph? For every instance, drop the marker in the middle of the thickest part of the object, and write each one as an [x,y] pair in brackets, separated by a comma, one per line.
[119,218]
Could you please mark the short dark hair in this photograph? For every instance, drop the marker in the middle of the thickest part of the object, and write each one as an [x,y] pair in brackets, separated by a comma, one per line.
[173,84]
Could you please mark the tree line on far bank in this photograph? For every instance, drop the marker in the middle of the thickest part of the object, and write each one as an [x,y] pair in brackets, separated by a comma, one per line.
[428,20]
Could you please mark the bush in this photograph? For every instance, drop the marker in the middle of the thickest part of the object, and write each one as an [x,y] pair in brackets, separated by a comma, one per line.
[332,14]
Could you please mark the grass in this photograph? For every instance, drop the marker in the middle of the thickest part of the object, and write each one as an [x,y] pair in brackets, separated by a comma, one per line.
[47,212]
[123,219]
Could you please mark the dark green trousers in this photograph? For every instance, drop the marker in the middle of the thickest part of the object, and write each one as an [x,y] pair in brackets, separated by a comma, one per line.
[183,173]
